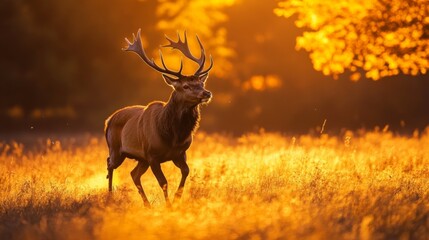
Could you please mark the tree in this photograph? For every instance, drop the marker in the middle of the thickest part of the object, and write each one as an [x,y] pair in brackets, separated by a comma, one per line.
[206,19]
[377,37]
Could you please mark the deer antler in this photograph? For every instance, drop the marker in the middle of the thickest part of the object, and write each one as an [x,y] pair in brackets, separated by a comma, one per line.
[184,48]
[137,47]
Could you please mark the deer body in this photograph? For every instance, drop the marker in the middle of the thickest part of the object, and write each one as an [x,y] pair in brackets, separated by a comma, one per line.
[140,131]
[158,132]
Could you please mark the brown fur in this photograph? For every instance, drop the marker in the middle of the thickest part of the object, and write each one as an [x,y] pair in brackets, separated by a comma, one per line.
[155,133]
[160,131]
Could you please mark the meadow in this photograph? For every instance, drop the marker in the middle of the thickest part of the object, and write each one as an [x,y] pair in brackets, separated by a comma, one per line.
[355,185]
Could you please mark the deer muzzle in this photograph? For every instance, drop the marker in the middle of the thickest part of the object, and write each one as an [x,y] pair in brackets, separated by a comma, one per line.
[207,95]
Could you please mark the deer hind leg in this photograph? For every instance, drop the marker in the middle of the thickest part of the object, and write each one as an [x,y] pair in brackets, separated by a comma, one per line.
[181,163]
[113,161]
[136,174]
[156,169]
[109,175]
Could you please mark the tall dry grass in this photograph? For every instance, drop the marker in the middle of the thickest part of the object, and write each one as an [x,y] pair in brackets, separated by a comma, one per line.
[364,185]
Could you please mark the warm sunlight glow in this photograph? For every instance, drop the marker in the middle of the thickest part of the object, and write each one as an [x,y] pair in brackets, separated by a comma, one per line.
[261,83]
[259,185]
[279,143]
[204,18]
[96,182]
[383,38]
[15,112]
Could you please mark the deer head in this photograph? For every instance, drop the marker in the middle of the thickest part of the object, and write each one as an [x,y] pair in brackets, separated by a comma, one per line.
[189,89]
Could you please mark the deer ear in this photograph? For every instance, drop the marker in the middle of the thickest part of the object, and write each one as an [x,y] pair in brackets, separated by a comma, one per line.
[204,77]
[171,81]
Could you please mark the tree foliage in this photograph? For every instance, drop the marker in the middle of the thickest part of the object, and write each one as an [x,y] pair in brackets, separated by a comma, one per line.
[202,17]
[377,37]
[62,67]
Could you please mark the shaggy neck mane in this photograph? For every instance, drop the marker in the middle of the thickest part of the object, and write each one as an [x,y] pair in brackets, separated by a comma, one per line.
[178,120]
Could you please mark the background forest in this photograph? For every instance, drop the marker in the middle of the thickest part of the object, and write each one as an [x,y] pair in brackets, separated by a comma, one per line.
[285,66]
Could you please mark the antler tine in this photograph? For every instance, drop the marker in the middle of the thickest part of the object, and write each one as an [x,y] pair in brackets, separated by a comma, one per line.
[183,47]
[201,46]
[203,57]
[162,59]
[165,66]
[185,41]
[178,36]
[208,69]
[137,47]
[181,65]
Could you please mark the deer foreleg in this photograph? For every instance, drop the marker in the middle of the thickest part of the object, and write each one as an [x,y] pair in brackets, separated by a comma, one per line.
[181,163]
[156,169]
[136,174]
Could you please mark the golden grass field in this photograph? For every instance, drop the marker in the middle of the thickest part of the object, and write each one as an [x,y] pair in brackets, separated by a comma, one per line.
[358,185]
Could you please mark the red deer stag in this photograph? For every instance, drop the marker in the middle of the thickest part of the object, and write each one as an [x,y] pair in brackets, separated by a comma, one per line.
[160,131]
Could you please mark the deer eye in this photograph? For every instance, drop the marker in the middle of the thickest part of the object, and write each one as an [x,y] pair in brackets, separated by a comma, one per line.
[186,87]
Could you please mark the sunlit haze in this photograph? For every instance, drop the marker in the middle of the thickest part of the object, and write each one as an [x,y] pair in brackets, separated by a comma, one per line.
[289,119]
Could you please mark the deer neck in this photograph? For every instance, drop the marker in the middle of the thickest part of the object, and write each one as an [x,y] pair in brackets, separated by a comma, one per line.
[178,120]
